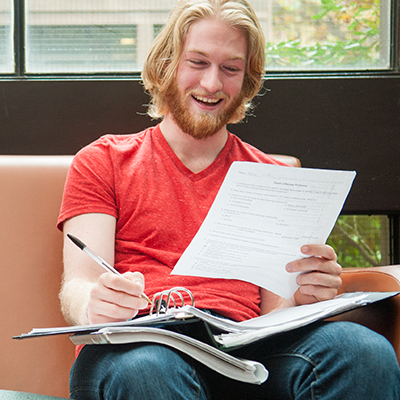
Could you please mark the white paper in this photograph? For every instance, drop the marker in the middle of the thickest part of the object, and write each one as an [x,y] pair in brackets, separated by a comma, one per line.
[260,218]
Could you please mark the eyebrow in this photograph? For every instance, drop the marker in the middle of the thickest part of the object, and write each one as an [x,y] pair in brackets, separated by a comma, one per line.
[202,53]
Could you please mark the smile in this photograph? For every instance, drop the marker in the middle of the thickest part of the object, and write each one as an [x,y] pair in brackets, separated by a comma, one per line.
[207,101]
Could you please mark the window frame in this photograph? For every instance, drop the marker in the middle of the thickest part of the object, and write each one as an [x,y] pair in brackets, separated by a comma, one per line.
[20,60]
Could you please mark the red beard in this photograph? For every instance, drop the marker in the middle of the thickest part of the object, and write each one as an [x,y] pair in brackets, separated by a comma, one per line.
[200,125]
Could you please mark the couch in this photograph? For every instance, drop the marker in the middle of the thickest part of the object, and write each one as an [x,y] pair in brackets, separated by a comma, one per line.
[30,275]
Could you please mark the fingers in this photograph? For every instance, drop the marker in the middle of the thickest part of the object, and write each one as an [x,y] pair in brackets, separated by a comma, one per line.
[116,298]
[321,258]
[319,277]
[131,283]
[319,250]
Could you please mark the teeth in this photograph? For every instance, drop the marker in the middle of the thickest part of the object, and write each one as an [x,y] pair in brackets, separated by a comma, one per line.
[205,100]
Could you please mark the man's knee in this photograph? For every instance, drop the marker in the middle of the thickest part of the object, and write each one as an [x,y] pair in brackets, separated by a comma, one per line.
[349,360]
[353,339]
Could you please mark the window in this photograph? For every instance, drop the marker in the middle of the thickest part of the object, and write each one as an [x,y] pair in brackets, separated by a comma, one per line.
[113,36]
[157,29]
[362,240]
[6,37]
[90,36]
[328,35]
[81,48]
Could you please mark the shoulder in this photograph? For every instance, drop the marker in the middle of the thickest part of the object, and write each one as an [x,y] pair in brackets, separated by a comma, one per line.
[112,147]
[243,151]
[117,142]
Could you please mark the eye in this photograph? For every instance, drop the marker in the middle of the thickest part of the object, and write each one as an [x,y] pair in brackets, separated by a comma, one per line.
[232,69]
[197,63]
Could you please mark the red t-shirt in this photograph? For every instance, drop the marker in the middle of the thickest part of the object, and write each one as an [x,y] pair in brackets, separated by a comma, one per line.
[159,205]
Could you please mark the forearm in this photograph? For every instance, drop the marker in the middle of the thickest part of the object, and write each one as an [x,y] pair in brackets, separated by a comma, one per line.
[74,297]
[80,271]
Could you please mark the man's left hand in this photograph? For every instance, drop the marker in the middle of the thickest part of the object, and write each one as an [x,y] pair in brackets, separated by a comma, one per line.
[319,277]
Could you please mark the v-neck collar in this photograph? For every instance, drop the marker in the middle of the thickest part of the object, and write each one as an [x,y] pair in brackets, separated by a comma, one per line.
[157,134]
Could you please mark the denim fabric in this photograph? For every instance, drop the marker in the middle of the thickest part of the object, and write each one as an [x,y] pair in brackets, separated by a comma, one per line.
[337,361]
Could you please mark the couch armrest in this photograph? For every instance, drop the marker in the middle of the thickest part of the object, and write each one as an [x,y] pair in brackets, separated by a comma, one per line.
[375,279]
[383,316]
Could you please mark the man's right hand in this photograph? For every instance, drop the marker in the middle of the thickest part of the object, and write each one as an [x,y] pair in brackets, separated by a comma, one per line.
[116,298]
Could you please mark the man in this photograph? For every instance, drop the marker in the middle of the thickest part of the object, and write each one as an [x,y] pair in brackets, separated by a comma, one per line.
[138,200]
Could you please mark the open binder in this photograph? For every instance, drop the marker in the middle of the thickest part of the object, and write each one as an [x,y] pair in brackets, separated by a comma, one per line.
[218,334]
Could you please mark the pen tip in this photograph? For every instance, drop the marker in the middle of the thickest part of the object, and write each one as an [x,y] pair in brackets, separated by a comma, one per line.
[80,244]
[144,296]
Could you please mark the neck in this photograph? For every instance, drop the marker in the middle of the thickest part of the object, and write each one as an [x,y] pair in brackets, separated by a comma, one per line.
[195,154]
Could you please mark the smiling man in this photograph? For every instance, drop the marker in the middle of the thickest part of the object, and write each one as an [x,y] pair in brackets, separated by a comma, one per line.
[207,90]
[138,200]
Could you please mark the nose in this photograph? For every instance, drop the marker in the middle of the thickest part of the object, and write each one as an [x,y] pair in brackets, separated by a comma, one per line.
[212,80]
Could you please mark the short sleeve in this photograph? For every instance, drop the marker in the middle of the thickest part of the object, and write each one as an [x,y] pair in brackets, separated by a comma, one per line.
[90,184]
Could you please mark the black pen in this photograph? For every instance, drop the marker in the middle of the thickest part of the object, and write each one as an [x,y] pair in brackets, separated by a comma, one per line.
[99,260]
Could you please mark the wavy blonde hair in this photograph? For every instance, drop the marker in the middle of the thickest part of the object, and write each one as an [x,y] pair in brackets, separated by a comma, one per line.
[165,53]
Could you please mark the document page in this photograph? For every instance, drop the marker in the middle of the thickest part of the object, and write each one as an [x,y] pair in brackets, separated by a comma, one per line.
[260,218]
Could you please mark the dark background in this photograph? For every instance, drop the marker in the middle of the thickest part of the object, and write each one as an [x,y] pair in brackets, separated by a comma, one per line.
[343,122]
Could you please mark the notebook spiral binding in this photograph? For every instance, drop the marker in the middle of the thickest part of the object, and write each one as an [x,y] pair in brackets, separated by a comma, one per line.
[160,306]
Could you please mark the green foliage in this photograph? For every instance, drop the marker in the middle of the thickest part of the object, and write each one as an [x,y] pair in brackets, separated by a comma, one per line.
[360,240]
[340,34]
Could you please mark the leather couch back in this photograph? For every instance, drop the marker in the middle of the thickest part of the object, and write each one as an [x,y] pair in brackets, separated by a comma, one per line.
[30,274]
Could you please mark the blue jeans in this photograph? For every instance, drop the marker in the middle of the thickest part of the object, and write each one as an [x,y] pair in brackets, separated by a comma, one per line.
[325,360]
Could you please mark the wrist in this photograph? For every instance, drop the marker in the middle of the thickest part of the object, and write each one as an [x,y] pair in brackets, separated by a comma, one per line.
[74,297]
[286,303]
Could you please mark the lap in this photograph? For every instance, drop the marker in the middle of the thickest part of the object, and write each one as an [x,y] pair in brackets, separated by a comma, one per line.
[322,360]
